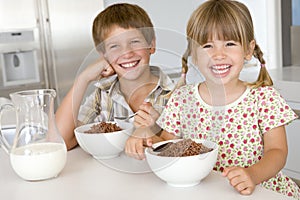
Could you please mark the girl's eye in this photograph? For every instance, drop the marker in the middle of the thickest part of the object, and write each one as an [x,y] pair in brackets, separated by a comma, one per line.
[230,44]
[206,46]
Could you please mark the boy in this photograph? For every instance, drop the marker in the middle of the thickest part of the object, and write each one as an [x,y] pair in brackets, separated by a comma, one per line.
[124,37]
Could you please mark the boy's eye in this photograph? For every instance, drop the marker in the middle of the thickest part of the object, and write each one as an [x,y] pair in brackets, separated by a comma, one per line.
[113,46]
[135,41]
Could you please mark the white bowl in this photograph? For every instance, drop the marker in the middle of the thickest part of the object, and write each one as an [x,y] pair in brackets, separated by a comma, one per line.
[103,145]
[183,171]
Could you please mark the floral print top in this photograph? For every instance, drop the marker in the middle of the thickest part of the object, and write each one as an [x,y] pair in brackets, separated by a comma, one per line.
[238,128]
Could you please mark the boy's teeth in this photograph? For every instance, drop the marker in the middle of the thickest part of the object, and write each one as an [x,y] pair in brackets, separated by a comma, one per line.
[127,65]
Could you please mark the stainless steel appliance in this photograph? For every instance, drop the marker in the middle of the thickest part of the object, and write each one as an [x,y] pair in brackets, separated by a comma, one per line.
[295,45]
[44,42]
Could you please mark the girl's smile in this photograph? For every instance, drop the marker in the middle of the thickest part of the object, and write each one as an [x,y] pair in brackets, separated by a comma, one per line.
[220,70]
[220,61]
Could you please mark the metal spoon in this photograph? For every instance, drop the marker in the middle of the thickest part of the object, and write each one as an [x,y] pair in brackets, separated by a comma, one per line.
[162,147]
[146,100]
[125,117]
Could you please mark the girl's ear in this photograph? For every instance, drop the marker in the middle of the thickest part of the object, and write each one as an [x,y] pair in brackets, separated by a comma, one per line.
[152,46]
[250,51]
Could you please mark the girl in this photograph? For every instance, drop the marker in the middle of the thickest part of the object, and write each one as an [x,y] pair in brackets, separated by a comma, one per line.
[246,120]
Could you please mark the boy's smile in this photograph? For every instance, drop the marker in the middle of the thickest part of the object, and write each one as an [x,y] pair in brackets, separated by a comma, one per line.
[129,64]
[128,52]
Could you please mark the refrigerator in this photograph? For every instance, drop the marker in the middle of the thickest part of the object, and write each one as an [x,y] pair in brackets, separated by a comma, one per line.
[44,42]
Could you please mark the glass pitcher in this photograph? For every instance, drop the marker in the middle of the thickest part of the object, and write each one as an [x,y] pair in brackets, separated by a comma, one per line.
[38,151]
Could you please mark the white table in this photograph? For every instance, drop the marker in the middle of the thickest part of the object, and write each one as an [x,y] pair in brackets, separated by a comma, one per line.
[86,178]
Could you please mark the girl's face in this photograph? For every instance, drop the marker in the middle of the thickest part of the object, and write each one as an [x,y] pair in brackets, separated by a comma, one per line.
[128,52]
[221,61]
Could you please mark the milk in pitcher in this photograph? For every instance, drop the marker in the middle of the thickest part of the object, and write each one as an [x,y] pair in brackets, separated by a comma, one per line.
[39,161]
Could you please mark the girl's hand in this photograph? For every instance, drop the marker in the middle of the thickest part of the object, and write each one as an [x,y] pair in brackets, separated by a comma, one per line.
[240,179]
[144,135]
[136,144]
[95,71]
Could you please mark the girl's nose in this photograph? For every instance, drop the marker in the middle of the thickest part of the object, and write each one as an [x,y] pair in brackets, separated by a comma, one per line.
[219,53]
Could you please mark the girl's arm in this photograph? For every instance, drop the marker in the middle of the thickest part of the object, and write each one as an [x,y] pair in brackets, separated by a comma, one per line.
[244,180]
[275,154]
[135,144]
[168,136]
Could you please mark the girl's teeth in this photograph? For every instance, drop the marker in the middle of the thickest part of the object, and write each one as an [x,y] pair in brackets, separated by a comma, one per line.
[220,69]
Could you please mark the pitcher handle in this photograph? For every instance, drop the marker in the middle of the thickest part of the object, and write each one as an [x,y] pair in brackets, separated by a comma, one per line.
[5,145]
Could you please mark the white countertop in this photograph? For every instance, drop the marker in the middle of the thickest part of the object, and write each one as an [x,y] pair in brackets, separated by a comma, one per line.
[287,82]
[86,178]
[289,74]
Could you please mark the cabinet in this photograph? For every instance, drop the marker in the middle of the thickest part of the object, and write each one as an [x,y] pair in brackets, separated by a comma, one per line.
[287,82]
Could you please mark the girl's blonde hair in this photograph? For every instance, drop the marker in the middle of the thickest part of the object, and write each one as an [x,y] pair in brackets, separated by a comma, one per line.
[227,20]
[123,15]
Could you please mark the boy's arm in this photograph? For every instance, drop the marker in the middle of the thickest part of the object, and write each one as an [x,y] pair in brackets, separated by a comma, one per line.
[67,112]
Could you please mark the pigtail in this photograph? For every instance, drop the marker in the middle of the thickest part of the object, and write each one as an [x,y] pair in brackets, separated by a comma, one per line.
[264,79]
[184,70]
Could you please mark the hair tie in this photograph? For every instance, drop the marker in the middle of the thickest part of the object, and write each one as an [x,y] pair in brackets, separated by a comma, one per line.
[262,65]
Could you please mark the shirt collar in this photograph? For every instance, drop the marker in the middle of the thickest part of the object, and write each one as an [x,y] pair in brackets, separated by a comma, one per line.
[111,84]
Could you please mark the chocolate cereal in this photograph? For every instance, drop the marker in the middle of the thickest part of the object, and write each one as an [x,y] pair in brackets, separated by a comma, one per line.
[186,147]
[103,127]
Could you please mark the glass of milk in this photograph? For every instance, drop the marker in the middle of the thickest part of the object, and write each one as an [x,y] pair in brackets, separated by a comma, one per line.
[38,151]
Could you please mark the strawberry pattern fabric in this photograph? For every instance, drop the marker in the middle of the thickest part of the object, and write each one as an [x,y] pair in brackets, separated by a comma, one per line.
[238,128]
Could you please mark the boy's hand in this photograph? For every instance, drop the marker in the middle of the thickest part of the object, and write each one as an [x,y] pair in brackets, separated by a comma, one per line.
[146,116]
[95,71]
[240,179]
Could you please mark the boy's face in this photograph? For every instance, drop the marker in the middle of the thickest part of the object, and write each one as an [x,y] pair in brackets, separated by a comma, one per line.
[128,52]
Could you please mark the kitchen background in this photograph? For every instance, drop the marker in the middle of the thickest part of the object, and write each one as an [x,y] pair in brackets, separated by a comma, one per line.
[44,43]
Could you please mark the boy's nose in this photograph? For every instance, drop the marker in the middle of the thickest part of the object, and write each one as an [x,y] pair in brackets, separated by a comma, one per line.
[127,51]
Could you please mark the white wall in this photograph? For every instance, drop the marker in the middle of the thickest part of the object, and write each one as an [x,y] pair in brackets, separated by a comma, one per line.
[170,18]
